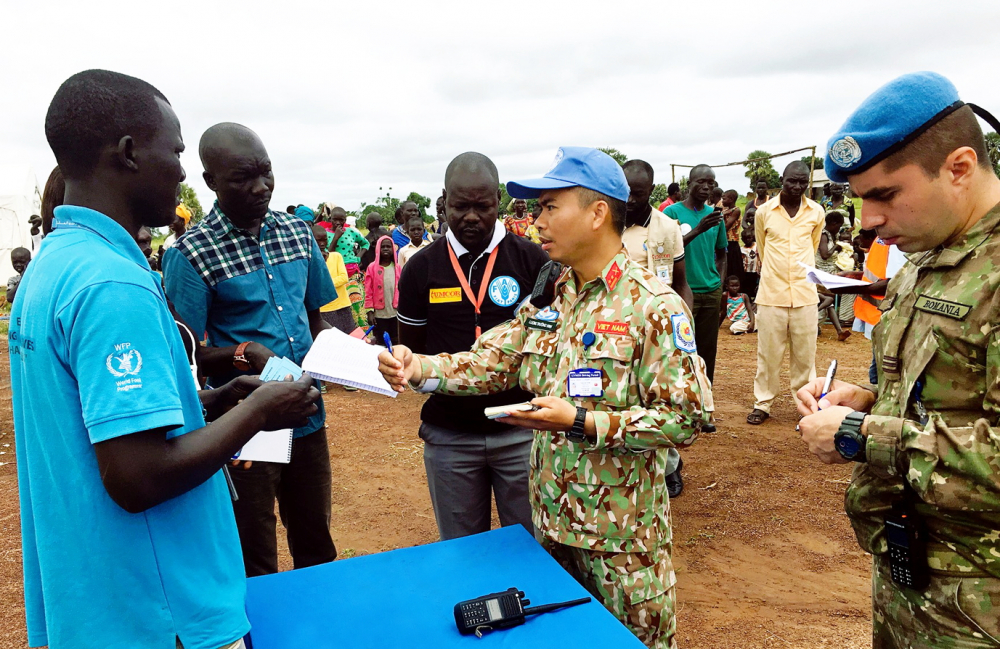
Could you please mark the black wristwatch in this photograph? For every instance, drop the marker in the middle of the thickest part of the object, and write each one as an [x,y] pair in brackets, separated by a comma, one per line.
[849,441]
[576,434]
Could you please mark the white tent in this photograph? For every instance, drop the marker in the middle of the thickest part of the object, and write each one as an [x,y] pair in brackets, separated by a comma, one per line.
[19,199]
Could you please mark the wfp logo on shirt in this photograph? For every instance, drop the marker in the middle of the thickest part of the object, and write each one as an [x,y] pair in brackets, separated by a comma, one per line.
[123,363]
[504,291]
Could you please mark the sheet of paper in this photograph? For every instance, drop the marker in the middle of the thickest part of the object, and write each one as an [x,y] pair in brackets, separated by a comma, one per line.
[337,357]
[269,446]
[829,280]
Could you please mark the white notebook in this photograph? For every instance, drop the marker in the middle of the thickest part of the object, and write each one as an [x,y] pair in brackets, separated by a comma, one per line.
[269,446]
[830,280]
[336,357]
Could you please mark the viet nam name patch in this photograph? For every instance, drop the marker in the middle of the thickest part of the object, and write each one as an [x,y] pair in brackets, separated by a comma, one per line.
[613,328]
[442,295]
[942,307]
[683,333]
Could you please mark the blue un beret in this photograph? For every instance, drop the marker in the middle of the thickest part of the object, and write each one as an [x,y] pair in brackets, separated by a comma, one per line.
[891,117]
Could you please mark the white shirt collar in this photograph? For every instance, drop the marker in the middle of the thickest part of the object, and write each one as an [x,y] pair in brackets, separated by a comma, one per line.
[499,232]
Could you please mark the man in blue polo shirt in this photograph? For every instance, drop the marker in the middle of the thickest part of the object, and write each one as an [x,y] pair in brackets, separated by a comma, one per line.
[128,536]
[255,279]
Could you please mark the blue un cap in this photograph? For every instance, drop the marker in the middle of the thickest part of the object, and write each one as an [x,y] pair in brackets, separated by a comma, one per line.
[576,166]
[891,118]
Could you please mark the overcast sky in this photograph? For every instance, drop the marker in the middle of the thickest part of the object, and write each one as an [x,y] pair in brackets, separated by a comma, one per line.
[351,97]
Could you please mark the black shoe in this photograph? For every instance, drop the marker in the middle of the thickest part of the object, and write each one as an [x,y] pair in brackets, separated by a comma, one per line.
[675,484]
[708,428]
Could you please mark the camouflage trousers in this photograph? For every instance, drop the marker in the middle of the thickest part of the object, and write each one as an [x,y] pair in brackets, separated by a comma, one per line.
[638,588]
[954,612]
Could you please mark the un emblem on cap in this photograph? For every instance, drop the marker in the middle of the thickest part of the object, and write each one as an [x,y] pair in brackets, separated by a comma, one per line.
[560,154]
[845,152]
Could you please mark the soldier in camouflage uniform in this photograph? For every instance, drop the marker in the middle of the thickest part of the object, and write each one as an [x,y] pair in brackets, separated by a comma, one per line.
[599,502]
[931,440]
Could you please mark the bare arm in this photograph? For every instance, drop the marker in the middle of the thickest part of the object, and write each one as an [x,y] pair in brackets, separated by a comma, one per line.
[875,288]
[680,284]
[145,469]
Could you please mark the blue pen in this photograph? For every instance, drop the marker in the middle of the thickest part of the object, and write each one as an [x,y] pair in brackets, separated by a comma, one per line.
[369,330]
[832,372]
[388,343]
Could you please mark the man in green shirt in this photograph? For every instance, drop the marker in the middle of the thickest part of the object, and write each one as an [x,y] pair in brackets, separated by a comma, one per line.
[705,248]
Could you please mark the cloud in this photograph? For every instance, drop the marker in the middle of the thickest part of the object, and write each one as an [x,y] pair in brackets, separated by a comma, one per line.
[351,98]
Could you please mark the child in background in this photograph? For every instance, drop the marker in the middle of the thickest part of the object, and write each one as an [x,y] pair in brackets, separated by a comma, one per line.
[738,309]
[338,312]
[846,260]
[381,282]
[825,259]
[19,259]
[751,262]
[415,230]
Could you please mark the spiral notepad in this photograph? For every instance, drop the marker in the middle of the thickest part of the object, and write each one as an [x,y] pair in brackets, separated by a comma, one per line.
[336,357]
[269,446]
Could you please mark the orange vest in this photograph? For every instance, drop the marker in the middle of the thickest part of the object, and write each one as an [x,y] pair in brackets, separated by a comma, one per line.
[866,306]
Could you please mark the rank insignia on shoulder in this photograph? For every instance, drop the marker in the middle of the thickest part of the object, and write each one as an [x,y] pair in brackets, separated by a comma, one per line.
[614,274]
[890,365]
[948,309]
[683,333]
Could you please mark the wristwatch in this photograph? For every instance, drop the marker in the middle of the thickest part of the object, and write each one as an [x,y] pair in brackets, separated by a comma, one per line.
[576,434]
[849,441]
[240,360]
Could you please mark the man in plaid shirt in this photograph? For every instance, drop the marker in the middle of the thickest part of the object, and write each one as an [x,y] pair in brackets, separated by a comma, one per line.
[254,280]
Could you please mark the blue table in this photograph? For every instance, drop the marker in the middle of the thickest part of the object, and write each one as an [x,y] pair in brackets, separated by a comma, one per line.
[406,598]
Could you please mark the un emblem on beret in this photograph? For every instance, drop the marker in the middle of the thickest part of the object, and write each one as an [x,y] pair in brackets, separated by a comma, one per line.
[845,152]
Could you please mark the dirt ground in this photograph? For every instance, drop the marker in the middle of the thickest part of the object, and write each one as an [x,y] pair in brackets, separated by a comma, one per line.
[765,556]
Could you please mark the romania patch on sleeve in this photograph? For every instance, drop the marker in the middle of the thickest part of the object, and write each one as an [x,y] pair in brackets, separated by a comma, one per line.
[683,333]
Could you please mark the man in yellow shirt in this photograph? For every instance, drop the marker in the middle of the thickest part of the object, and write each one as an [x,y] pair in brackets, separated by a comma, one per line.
[788,229]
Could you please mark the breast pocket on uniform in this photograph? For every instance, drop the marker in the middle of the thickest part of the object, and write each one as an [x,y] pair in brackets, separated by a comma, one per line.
[614,356]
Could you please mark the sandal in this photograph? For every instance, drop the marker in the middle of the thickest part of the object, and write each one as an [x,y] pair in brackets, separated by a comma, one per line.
[757,417]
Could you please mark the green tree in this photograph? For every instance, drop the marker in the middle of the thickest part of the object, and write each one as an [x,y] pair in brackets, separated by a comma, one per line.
[384,205]
[189,198]
[993,148]
[815,162]
[505,199]
[619,157]
[423,203]
[659,194]
[683,184]
[758,167]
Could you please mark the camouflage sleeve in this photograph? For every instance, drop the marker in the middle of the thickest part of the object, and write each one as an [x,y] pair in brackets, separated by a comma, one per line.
[492,365]
[945,464]
[674,391]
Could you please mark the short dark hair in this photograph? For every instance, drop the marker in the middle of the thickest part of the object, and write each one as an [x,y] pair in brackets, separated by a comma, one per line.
[589,197]
[475,161]
[835,216]
[290,209]
[732,278]
[414,219]
[731,192]
[373,216]
[94,109]
[672,188]
[932,147]
[641,165]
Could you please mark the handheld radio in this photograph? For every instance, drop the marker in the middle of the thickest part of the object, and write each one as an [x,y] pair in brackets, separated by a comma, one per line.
[907,549]
[545,285]
[500,611]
